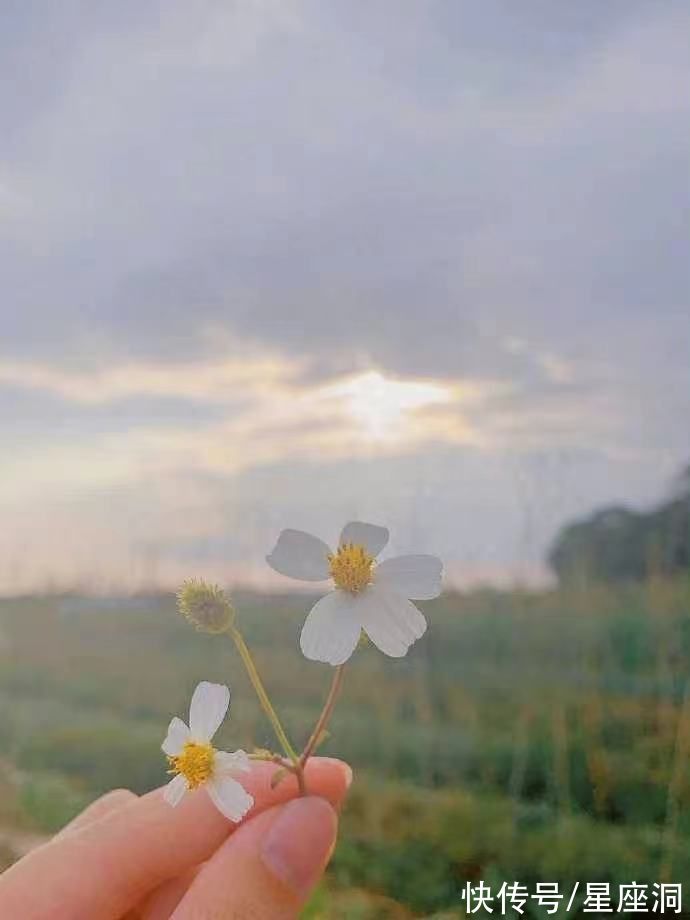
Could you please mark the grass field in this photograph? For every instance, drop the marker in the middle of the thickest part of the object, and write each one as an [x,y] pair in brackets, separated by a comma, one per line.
[527,737]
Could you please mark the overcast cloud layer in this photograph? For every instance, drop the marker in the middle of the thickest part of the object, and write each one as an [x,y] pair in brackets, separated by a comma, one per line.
[271,263]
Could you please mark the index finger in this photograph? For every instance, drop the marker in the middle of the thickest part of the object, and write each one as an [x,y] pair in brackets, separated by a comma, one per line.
[105,868]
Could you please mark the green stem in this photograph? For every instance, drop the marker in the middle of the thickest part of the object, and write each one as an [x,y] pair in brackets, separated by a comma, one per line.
[248,661]
[325,716]
[291,766]
[270,757]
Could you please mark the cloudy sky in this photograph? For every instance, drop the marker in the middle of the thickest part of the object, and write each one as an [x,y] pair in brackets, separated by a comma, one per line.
[274,263]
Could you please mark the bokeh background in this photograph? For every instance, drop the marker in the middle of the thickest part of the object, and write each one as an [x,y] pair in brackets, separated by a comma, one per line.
[272,263]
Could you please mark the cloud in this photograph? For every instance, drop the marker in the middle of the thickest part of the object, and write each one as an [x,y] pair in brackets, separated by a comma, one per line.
[223,382]
[273,237]
[270,415]
[500,189]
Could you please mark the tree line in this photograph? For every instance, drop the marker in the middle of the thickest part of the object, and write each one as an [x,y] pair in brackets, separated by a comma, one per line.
[620,544]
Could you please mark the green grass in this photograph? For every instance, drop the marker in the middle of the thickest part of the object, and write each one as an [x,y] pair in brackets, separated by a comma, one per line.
[530,737]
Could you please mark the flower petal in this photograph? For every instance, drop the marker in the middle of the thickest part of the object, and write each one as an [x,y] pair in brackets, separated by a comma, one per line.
[178,735]
[418,577]
[207,710]
[300,555]
[237,762]
[332,629]
[175,790]
[230,798]
[390,620]
[372,537]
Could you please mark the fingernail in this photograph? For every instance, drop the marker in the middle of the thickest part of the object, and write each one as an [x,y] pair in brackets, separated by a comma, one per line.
[300,842]
[344,768]
[347,770]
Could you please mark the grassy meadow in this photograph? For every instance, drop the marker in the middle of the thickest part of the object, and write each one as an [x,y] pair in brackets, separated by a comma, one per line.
[528,737]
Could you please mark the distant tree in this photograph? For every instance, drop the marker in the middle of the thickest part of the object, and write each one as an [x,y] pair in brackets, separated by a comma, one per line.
[682,483]
[617,544]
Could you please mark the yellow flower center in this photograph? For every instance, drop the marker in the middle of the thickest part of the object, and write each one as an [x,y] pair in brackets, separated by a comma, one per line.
[195,763]
[350,567]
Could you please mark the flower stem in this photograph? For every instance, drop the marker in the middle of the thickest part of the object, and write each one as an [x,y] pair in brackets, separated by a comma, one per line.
[270,757]
[325,716]
[291,766]
[248,661]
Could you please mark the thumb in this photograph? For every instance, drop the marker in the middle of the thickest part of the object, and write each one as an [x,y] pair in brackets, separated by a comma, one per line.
[268,867]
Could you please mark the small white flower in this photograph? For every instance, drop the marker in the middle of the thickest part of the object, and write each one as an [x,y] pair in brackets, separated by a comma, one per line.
[194,760]
[368,596]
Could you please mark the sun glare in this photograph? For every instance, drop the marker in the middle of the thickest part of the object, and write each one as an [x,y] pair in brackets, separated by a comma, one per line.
[379,404]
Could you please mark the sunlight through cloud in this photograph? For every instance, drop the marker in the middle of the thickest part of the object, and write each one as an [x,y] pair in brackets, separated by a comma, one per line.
[379,404]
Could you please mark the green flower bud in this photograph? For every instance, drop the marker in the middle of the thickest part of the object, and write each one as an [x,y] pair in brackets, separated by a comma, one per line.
[205,606]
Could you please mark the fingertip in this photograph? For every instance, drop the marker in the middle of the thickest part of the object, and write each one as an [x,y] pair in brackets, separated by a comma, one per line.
[328,777]
[300,843]
[324,776]
[333,763]
[269,867]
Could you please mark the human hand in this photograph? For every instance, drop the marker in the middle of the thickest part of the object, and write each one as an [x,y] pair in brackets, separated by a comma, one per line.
[137,858]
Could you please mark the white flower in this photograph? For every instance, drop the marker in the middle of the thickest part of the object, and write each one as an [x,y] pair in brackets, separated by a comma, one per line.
[194,760]
[368,596]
